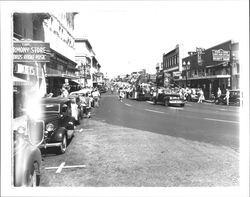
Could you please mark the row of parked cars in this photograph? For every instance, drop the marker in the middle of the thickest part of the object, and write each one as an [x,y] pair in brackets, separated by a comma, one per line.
[53,127]
[175,99]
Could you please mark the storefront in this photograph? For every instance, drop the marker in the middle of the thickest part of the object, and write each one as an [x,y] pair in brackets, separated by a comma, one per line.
[29,64]
[61,70]
[211,68]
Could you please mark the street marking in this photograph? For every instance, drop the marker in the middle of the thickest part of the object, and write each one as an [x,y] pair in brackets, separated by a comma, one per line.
[150,102]
[235,122]
[228,110]
[160,112]
[128,104]
[176,108]
[59,169]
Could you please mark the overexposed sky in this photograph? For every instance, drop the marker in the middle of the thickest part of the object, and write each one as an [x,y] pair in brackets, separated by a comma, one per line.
[129,36]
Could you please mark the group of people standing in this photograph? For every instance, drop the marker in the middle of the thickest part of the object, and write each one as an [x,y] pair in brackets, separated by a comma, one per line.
[82,104]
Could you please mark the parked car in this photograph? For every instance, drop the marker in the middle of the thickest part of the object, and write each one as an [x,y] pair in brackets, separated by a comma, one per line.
[235,98]
[169,99]
[59,123]
[195,97]
[27,136]
[27,156]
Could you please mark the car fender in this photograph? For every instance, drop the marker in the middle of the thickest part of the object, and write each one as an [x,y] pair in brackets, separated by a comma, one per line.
[24,160]
[58,134]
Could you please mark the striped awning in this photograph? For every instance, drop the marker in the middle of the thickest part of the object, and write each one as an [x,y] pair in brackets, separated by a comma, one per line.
[21,82]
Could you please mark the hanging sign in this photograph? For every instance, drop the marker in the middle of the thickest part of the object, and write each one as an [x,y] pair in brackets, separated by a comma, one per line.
[31,52]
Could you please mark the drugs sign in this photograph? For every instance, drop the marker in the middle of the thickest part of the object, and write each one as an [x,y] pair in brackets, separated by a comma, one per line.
[31,52]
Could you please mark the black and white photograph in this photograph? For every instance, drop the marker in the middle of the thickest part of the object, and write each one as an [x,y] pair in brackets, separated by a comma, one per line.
[125,98]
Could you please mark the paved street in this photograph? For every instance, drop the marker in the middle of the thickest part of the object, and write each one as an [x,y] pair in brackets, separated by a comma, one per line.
[135,143]
[206,122]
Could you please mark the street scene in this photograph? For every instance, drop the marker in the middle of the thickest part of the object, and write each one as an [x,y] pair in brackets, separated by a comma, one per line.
[118,95]
[136,143]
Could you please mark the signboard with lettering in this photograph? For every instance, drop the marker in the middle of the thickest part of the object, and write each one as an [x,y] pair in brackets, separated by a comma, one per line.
[199,53]
[24,69]
[31,52]
[177,74]
[221,55]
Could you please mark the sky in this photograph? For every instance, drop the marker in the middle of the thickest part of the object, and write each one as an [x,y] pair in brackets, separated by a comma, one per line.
[130,36]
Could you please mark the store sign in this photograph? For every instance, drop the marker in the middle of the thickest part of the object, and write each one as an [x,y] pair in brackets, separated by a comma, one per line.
[24,69]
[221,55]
[177,74]
[199,52]
[31,52]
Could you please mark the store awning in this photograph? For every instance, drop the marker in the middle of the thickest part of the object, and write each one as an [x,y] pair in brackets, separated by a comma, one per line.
[20,82]
[205,77]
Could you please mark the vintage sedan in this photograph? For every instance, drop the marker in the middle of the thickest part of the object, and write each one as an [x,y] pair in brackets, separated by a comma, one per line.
[169,99]
[27,157]
[58,121]
[27,135]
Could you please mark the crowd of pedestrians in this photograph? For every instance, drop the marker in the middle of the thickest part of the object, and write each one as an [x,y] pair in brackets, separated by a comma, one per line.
[188,94]
[82,102]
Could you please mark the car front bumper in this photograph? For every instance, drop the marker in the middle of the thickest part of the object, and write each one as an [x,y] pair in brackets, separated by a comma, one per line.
[48,145]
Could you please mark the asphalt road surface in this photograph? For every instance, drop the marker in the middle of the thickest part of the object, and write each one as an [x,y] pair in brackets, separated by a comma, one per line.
[203,122]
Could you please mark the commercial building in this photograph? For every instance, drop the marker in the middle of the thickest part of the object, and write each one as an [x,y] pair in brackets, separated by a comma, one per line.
[54,33]
[172,66]
[87,63]
[211,68]
[58,31]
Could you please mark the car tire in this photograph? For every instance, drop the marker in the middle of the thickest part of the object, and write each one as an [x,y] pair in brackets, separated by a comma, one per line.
[62,148]
[33,177]
[166,103]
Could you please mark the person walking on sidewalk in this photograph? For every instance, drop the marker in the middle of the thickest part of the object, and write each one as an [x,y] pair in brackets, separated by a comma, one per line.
[227,96]
[201,96]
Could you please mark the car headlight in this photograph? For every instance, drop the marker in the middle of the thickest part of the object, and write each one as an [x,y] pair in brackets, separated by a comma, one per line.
[49,127]
[21,130]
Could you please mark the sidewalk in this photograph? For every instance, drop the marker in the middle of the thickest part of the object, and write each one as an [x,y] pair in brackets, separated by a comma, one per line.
[120,156]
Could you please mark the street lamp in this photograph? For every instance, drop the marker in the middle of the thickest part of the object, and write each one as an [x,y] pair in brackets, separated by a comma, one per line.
[186,65]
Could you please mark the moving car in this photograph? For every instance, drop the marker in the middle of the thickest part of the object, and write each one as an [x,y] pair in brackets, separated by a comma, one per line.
[169,99]
[59,123]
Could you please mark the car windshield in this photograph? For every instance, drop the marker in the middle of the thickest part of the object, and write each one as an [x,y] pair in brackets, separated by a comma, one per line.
[50,107]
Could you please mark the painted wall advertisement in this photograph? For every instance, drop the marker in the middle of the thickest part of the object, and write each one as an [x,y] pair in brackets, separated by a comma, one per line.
[221,55]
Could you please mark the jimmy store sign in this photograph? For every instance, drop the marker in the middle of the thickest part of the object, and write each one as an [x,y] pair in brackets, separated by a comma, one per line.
[27,55]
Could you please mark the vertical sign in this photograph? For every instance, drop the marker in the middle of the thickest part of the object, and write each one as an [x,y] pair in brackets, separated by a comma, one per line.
[199,53]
